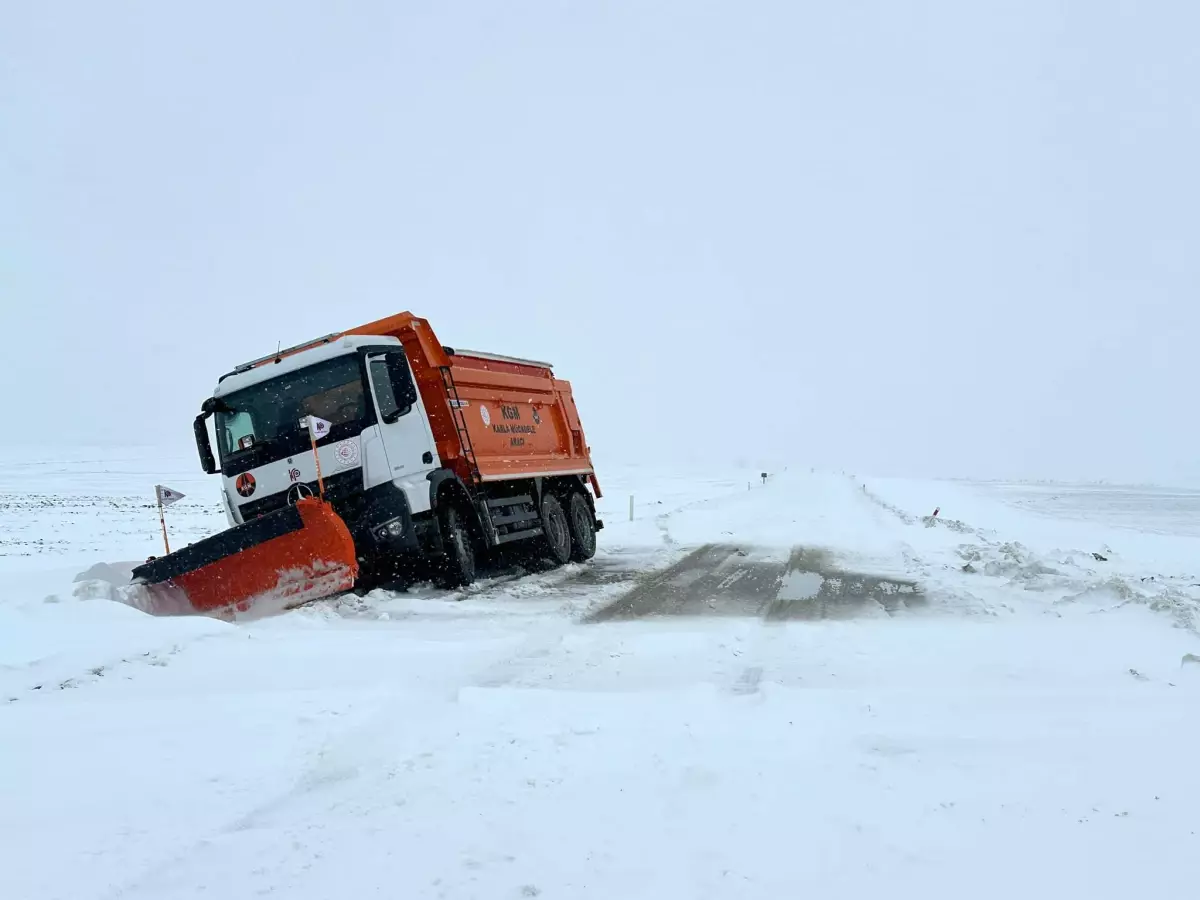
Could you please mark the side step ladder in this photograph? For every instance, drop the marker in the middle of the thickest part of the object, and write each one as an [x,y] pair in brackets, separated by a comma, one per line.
[460,423]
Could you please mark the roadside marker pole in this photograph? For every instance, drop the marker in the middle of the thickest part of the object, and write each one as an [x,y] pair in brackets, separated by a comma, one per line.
[162,520]
[165,496]
[631,507]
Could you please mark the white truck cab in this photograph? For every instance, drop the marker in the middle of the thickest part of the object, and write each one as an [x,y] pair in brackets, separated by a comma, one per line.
[380,446]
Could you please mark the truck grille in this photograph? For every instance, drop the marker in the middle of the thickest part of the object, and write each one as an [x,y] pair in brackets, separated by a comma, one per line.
[338,487]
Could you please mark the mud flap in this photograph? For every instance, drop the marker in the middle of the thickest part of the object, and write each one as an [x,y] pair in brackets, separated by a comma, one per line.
[284,559]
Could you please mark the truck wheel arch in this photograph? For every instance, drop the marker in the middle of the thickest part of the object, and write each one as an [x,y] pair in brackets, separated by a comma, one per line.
[563,487]
[446,487]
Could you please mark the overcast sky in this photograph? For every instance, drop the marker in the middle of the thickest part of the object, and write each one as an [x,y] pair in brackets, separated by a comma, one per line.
[931,238]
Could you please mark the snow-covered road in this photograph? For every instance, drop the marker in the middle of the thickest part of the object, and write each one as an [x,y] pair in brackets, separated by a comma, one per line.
[1028,727]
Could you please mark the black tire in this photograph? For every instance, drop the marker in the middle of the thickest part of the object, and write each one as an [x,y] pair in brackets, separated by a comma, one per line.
[556,540]
[583,528]
[457,566]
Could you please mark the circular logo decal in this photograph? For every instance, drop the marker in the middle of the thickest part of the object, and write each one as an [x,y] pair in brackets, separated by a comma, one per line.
[346,454]
[245,484]
[485,415]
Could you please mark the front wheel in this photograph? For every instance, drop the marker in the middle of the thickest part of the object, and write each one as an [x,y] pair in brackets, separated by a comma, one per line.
[457,566]
[557,533]
[583,529]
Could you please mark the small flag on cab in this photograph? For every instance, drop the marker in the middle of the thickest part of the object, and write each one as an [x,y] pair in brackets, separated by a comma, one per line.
[317,429]
[165,496]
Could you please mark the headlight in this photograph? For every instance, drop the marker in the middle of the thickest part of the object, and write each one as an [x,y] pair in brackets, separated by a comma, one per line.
[394,528]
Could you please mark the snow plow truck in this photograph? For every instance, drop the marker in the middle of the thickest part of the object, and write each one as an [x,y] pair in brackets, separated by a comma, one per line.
[428,454]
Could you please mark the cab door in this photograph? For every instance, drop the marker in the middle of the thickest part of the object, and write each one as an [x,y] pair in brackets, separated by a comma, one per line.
[403,425]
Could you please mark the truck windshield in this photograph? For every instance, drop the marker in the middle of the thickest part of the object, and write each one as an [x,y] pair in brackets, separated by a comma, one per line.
[266,417]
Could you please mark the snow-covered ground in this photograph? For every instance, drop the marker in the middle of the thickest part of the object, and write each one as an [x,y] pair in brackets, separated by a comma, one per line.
[806,686]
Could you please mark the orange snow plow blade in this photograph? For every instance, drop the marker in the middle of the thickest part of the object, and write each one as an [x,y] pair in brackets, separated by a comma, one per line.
[275,562]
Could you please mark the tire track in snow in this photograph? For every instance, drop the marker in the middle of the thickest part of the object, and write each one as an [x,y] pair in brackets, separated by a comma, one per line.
[339,760]
[125,668]
[368,766]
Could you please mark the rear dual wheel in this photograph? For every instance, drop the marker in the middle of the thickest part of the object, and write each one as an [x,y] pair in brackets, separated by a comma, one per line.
[556,532]
[570,534]
[583,528]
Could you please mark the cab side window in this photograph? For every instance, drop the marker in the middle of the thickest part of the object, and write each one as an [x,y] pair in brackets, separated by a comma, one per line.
[384,395]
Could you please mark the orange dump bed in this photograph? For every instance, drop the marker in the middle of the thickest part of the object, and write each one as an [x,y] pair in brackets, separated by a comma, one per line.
[494,417]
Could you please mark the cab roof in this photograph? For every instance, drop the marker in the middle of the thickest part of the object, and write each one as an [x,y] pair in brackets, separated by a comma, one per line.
[272,367]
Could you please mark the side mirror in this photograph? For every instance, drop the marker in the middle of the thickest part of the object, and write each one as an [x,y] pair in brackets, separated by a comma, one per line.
[203,447]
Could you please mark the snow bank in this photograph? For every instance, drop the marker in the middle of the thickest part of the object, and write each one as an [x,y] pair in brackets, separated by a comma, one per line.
[645,760]
[993,544]
[1032,733]
[59,639]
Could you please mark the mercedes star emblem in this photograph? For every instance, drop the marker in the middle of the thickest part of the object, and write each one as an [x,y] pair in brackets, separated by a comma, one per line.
[296,492]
